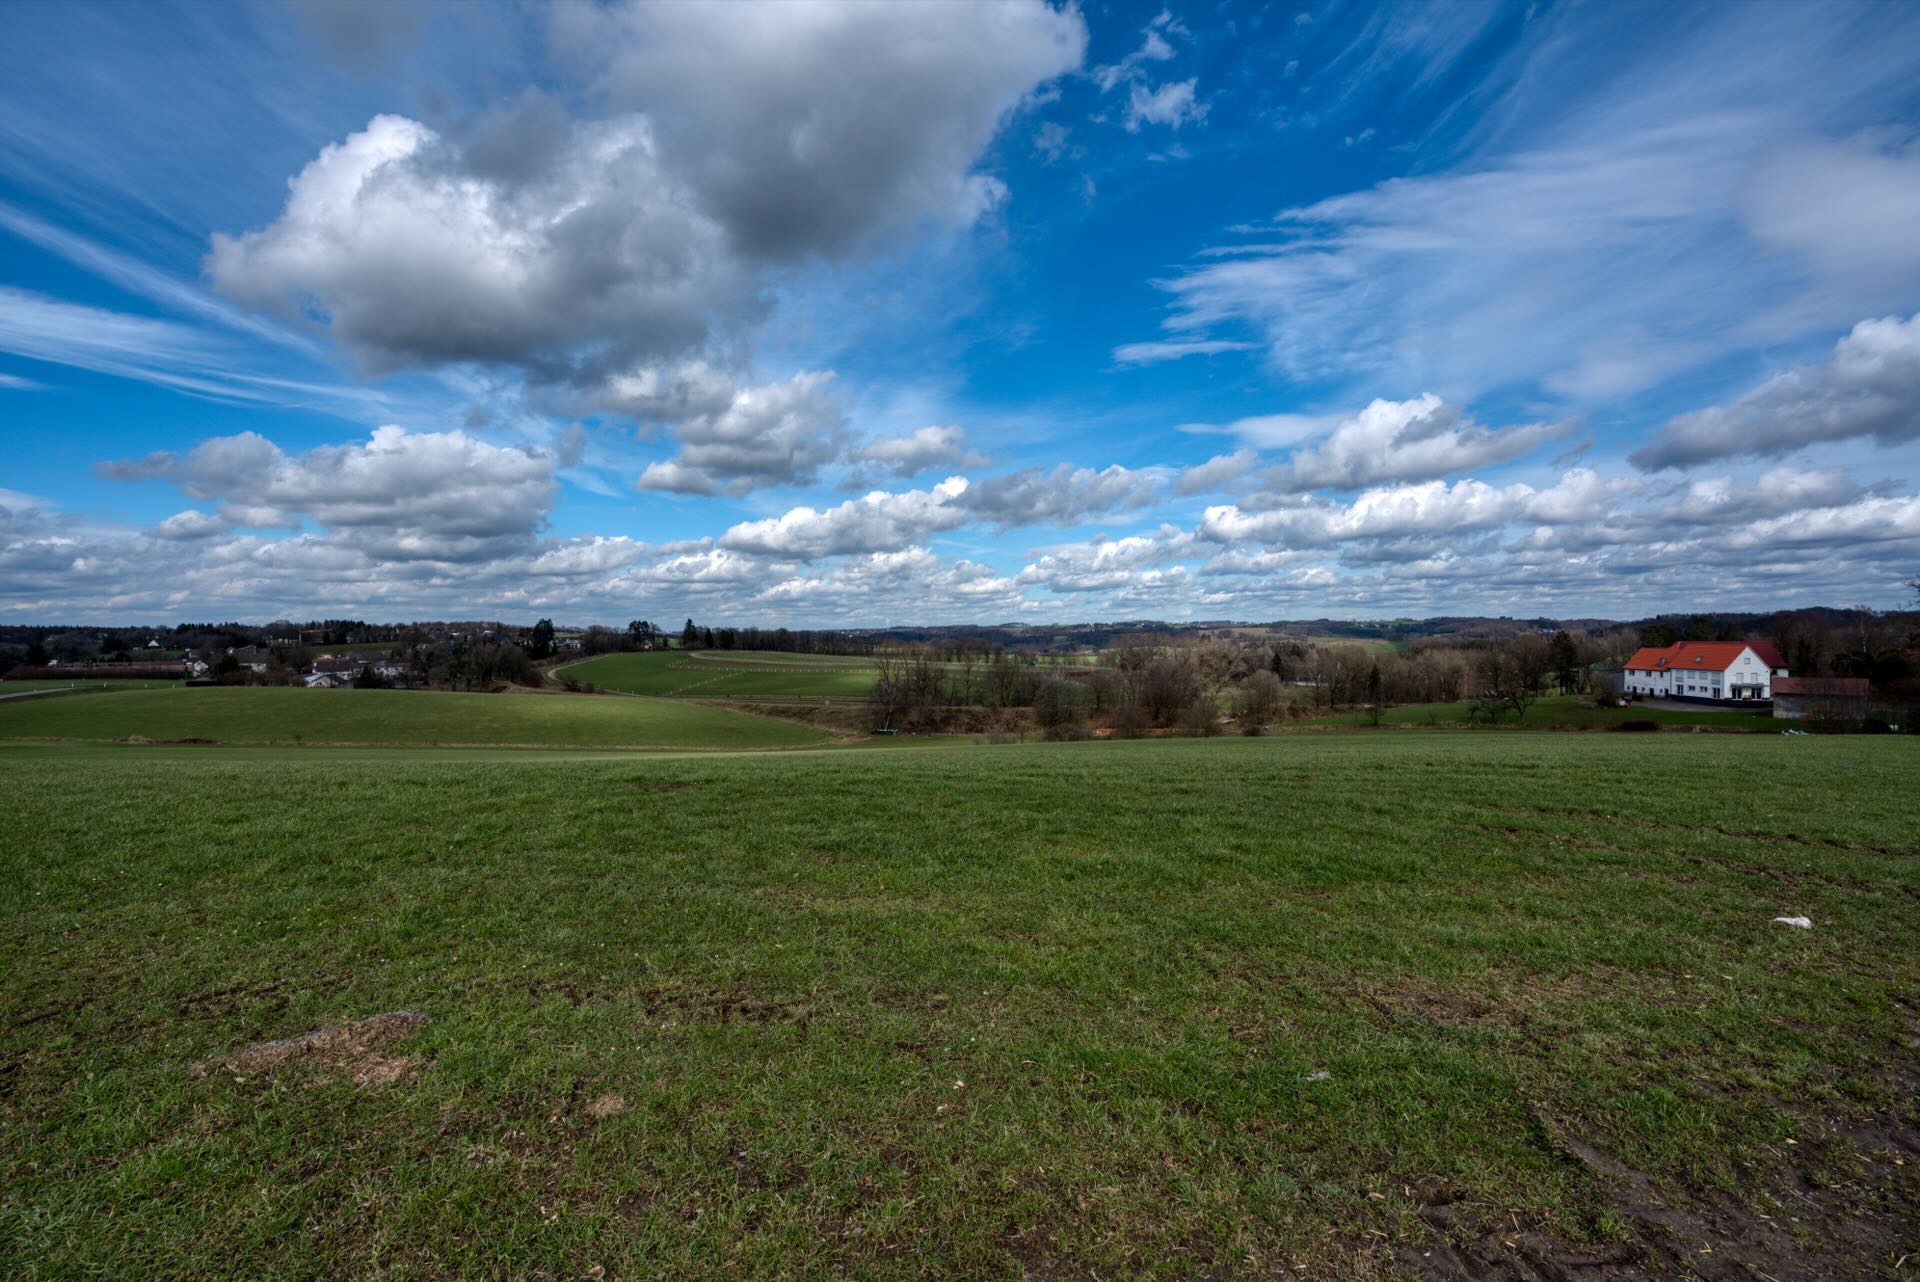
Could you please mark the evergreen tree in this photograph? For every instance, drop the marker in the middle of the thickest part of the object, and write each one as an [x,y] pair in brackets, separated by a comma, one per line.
[1565,658]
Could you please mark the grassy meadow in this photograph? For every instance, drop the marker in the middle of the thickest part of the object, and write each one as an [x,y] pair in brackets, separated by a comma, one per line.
[726,674]
[254,715]
[1327,1006]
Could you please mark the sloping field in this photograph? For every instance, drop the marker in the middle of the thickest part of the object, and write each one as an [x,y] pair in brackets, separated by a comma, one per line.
[390,717]
[1325,1006]
[727,674]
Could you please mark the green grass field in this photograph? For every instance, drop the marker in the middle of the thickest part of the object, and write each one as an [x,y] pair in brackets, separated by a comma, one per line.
[1378,645]
[727,674]
[1321,1006]
[1568,712]
[391,717]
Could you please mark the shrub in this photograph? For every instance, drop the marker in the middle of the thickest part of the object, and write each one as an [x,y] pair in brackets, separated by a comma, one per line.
[1257,700]
[1638,724]
[1200,717]
[1130,721]
[1056,704]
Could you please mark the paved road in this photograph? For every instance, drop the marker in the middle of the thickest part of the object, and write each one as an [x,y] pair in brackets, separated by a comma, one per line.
[1682,705]
[29,694]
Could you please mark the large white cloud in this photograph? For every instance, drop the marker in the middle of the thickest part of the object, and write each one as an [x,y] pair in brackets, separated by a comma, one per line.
[811,128]
[570,252]
[1869,388]
[778,434]
[1102,564]
[876,522]
[919,450]
[1417,440]
[1062,495]
[440,496]
[909,579]
[1580,495]
[610,252]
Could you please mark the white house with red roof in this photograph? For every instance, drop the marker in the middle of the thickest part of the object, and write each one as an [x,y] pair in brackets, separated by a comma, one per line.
[1719,671]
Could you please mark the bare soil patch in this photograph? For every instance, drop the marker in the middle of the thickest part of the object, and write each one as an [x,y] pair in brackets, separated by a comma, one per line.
[602,1107]
[352,1049]
[1842,1208]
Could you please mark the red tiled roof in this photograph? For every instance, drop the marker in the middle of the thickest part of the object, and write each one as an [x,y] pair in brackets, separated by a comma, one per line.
[1768,652]
[1690,656]
[1846,687]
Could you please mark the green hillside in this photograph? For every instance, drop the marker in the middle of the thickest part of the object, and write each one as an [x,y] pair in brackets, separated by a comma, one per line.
[727,674]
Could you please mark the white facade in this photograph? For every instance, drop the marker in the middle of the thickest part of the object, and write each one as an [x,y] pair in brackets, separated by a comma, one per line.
[1675,673]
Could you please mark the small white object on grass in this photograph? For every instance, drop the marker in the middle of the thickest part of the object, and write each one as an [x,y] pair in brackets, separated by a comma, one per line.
[1804,923]
[1319,1075]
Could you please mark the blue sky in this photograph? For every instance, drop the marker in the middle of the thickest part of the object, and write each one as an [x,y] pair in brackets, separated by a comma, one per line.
[859,313]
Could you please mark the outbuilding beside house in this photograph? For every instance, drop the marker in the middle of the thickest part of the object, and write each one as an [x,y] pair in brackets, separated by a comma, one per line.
[1821,698]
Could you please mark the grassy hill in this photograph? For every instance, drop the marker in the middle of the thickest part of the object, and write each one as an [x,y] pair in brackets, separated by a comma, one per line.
[1307,1006]
[391,717]
[728,674]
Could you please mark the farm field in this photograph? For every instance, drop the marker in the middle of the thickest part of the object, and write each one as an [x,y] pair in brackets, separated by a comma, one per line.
[1570,712]
[1377,645]
[726,674]
[254,715]
[1314,1006]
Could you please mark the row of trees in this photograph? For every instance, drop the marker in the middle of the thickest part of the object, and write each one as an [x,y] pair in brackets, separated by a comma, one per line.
[1135,686]
[784,640]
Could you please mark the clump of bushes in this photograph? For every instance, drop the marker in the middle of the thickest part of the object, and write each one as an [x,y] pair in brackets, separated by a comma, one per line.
[1638,724]
[1201,717]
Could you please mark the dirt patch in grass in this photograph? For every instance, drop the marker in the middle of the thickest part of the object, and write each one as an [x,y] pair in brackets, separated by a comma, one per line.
[1036,1254]
[1739,834]
[1840,1205]
[352,1049]
[601,1107]
[1498,1000]
[726,1008]
[689,1005]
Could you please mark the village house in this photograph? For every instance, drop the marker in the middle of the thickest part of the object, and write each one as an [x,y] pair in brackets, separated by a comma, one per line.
[1821,698]
[251,657]
[1710,671]
[342,669]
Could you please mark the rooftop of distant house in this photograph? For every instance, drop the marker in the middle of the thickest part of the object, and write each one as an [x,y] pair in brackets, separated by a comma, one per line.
[1700,656]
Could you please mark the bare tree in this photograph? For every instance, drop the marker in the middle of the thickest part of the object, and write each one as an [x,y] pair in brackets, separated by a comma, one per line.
[1527,672]
[1201,717]
[1169,686]
[1130,721]
[889,698]
[1257,700]
[1059,708]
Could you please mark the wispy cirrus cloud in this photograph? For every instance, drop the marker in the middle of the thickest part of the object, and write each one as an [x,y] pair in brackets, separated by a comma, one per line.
[1598,234]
